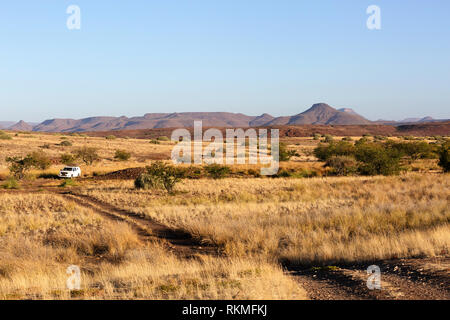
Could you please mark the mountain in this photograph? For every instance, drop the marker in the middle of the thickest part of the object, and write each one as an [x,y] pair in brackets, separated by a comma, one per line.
[348,110]
[321,113]
[21,126]
[318,114]
[261,120]
[148,121]
[6,124]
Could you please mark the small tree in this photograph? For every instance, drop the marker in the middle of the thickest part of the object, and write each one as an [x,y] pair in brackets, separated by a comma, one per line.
[40,160]
[87,154]
[68,159]
[19,166]
[285,153]
[444,156]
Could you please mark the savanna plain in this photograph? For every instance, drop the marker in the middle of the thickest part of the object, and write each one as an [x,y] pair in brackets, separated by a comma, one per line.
[337,206]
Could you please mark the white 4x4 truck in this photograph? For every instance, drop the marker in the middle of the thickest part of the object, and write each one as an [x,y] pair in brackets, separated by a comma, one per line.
[70,172]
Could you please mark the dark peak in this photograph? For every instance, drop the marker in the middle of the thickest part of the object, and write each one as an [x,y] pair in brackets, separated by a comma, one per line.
[320,106]
[265,115]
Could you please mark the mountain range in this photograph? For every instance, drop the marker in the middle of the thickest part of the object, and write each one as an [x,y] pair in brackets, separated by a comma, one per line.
[318,114]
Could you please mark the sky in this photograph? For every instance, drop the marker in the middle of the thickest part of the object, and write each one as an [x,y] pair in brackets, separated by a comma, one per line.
[250,56]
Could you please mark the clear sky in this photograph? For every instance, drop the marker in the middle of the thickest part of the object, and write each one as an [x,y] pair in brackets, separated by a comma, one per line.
[250,56]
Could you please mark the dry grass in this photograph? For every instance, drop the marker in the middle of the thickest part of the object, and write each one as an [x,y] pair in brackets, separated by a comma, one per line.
[306,221]
[42,235]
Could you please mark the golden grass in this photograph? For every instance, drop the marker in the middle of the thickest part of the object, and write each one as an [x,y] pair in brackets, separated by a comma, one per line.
[306,221]
[43,234]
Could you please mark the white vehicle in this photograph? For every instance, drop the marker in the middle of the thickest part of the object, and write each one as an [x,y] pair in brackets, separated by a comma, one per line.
[70,172]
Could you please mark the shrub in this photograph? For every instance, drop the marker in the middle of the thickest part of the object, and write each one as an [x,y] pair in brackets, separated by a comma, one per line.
[191,172]
[122,155]
[444,157]
[362,141]
[68,159]
[342,165]
[110,137]
[347,139]
[68,183]
[414,150]
[285,154]
[5,136]
[328,138]
[377,158]
[19,166]
[65,143]
[163,138]
[342,148]
[40,160]
[316,136]
[146,181]
[155,142]
[87,154]
[10,183]
[159,175]
[217,171]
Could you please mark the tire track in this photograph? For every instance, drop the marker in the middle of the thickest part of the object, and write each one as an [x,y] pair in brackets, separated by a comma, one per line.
[177,241]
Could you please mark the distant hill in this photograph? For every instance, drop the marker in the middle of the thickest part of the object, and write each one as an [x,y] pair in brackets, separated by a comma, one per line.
[21,126]
[321,113]
[318,114]
[6,124]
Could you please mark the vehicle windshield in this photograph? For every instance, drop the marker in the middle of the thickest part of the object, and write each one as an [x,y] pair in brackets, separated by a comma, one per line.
[67,169]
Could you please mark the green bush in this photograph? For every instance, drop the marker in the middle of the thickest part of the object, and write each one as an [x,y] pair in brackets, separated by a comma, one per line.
[415,149]
[159,176]
[444,156]
[284,153]
[217,171]
[68,183]
[5,136]
[65,143]
[40,160]
[68,159]
[147,181]
[342,165]
[155,142]
[11,183]
[163,138]
[342,148]
[377,158]
[328,138]
[122,155]
[316,136]
[19,166]
[110,137]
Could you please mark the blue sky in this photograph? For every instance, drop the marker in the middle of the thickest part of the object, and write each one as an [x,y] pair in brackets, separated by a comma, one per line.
[250,56]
